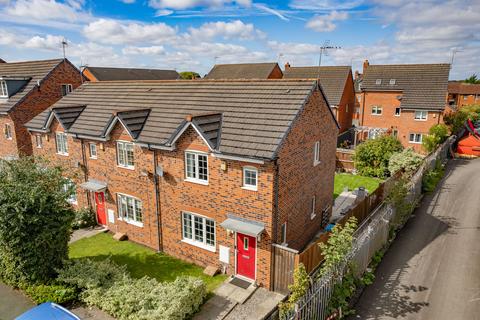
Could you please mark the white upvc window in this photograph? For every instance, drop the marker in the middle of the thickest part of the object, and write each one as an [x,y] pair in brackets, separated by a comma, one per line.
[313,212]
[198,230]
[93,150]
[398,111]
[61,141]
[376,110]
[70,188]
[38,141]
[415,138]
[421,115]
[125,156]
[8,131]
[130,209]
[250,178]
[66,89]
[392,82]
[196,167]
[316,153]
[3,89]
[378,82]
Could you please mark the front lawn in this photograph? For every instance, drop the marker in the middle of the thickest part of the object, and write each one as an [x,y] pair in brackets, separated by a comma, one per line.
[140,261]
[352,181]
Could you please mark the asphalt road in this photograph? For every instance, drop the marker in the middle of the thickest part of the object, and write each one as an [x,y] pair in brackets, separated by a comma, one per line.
[432,270]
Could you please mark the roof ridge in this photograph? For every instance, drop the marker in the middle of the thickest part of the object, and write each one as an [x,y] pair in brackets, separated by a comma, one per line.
[33,61]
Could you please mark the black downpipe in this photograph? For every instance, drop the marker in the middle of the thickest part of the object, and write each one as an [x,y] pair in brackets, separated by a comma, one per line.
[274,223]
[85,165]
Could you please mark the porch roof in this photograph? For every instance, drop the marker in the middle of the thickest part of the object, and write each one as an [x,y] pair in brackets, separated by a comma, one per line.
[94,185]
[242,225]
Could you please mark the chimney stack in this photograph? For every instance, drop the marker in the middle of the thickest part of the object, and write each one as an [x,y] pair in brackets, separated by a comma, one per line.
[365,65]
[287,65]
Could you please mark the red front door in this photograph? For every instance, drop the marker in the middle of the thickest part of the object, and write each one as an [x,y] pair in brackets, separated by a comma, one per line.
[246,247]
[100,202]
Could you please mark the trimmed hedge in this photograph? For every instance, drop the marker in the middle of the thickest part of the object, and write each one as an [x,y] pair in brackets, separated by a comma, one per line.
[51,293]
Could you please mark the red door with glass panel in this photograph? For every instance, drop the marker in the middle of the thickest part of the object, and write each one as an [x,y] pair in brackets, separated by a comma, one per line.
[100,204]
[246,247]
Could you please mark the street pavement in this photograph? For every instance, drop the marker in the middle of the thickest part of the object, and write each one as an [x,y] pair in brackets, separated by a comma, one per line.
[432,270]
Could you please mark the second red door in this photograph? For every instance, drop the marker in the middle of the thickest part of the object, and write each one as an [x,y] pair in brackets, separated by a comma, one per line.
[246,247]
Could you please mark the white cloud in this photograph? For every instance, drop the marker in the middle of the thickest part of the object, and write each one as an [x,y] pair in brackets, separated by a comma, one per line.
[185,4]
[49,42]
[163,12]
[269,10]
[316,5]
[128,1]
[119,32]
[326,23]
[153,50]
[227,30]
[46,10]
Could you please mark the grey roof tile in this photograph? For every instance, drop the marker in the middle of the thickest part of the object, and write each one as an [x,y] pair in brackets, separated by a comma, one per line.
[241,71]
[115,74]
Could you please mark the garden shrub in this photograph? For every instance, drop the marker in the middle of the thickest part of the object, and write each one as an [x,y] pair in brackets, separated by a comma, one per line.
[437,134]
[51,293]
[301,283]
[456,120]
[432,177]
[372,156]
[408,161]
[84,218]
[35,221]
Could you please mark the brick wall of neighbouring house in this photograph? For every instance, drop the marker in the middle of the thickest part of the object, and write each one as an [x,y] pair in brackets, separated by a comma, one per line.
[8,147]
[344,113]
[276,73]
[39,100]
[223,195]
[299,179]
[405,123]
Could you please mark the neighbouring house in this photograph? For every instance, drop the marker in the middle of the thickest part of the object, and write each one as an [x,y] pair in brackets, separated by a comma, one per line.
[117,74]
[337,82]
[462,94]
[268,70]
[404,100]
[27,89]
[2,61]
[212,172]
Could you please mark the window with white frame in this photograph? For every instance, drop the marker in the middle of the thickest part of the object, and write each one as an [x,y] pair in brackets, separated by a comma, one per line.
[397,112]
[93,150]
[3,89]
[376,110]
[378,82]
[61,141]
[415,138]
[316,153]
[421,115]
[125,156]
[8,131]
[313,213]
[250,178]
[392,81]
[66,89]
[70,188]
[38,141]
[129,209]
[198,230]
[196,166]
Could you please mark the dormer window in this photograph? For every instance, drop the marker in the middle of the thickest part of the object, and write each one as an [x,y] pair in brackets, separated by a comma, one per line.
[61,142]
[196,167]
[392,82]
[3,89]
[125,155]
[378,82]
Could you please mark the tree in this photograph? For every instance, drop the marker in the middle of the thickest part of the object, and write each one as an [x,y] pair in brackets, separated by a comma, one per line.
[35,221]
[473,79]
[372,156]
[456,120]
[437,134]
[408,161]
[189,75]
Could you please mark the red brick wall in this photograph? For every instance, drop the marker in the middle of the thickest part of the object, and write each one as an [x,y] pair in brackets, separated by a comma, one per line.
[299,179]
[276,73]
[405,123]
[344,113]
[223,195]
[39,100]
[8,147]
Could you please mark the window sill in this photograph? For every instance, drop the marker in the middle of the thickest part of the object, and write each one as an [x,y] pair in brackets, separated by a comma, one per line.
[93,158]
[420,119]
[376,115]
[205,183]
[134,223]
[249,188]
[199,245]
[73,202]
[414,142]
[124,167]
[63,154]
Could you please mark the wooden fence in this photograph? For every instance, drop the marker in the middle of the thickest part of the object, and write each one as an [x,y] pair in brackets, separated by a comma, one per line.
[344,160]
[285,261]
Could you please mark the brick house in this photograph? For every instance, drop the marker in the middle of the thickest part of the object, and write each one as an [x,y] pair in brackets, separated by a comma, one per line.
[114,74]
[403,100]
[357,83]
[27,89]
[268,70]
[462,94]
[212,172]
[337,82]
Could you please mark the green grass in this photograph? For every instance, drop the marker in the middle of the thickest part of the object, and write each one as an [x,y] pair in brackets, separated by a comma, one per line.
[140,261]
[351,181]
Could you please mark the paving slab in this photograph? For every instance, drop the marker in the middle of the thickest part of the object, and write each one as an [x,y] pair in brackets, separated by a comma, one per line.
[86,233]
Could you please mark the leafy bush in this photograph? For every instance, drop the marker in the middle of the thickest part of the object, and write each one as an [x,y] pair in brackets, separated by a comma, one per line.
[51,293]
[109,287]
[372,156]
[408,161]
[301,283]
[432,177]
[84,218]
[35,221]
[456,120]
[437,134]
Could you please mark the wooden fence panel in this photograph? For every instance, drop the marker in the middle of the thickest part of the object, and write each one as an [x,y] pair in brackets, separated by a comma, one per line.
[284,265]
[312,256]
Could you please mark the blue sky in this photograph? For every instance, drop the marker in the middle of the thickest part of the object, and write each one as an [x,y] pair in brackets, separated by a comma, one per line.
[194,34]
